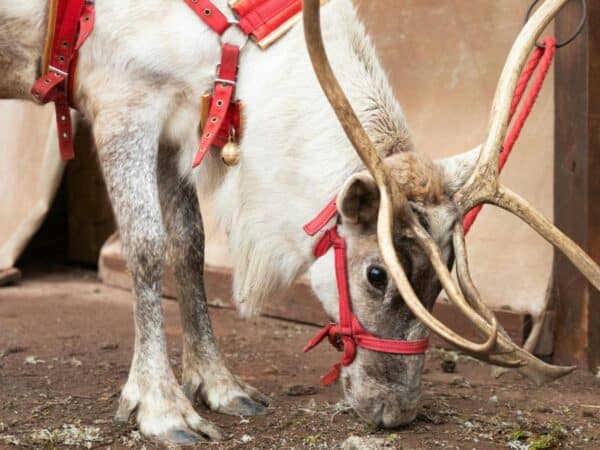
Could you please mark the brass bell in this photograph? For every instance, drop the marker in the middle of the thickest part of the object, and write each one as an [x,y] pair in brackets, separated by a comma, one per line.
[230,153]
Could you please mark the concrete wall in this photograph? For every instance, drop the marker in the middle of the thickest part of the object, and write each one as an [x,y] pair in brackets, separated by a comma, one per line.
[30,171]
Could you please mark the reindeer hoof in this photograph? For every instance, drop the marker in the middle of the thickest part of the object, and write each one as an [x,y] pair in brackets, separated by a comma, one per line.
[164,414]
[181,437]
[244,406]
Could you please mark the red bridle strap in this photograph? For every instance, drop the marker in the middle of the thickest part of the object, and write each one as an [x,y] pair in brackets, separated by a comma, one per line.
[349,333]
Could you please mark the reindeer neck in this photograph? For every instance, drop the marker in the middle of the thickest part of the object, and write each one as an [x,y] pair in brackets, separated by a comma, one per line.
[296,156]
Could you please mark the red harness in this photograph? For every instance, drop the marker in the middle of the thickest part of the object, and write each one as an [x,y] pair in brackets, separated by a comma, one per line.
[263,20]
[349,333]
[74,24]
[258,19]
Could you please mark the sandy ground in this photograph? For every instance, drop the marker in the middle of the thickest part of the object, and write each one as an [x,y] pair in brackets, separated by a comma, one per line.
[66,341]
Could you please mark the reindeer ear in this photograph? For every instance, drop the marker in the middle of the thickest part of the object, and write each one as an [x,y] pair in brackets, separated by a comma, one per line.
[457,169]
[358,202]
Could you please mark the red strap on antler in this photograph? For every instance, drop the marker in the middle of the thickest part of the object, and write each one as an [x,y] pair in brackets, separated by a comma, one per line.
[349,333]
[542,58]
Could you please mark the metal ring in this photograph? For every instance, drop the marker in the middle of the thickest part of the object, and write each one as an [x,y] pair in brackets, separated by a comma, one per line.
[570,38]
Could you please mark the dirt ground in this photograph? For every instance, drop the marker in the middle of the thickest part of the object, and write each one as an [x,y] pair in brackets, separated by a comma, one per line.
[66,342]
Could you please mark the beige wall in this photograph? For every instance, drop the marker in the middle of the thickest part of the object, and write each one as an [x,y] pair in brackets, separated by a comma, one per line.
[30,171]
[444,59]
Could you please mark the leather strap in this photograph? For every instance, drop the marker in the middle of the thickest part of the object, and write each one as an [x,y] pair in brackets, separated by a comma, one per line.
[210,14]
[50,30]
[73,23]
[349,333]
[264,17]
[267,20]
[221,101]
[322,219]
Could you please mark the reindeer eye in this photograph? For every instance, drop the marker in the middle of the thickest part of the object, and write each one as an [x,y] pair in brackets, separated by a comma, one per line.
[377,276]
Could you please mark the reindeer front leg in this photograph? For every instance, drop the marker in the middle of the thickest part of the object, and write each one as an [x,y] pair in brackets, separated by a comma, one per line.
[127,143]
[204,371]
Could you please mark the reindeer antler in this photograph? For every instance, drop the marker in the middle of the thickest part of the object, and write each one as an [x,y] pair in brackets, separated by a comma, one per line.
[392,199]
[482,187]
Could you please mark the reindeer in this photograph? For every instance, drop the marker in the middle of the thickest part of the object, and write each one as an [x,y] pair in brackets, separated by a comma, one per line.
[140,76]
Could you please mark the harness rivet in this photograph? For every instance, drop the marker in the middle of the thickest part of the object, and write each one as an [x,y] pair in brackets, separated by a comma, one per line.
[207,12]
[63,118]
[220,103]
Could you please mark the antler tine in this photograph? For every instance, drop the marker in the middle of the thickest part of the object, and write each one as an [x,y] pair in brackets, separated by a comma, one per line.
[391,198]
[386,245]
[488,325]
[464,274]
[483,183]
[508,353]
[512,202]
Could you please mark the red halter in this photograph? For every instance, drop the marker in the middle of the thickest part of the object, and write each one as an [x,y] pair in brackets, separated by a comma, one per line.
[349,333]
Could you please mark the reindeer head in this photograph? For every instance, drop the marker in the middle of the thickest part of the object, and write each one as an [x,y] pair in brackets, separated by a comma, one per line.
[403,227]
[385,388]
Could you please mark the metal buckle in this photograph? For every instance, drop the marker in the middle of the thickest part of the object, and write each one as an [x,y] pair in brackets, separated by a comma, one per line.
[57,71]
[238,33]
[222,81]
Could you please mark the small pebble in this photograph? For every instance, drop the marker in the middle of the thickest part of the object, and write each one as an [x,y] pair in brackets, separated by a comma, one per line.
[588,413]
[300,390]
[109,346]
[461,382]
[364,443]
[448,366]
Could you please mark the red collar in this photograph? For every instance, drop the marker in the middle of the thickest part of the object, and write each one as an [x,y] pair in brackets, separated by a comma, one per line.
[349,333]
